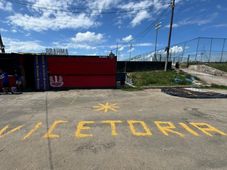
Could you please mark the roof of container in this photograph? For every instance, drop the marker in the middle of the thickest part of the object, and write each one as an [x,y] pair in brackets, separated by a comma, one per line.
[2,55]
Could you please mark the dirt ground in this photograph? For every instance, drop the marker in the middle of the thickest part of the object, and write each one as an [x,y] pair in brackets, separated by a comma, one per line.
[111,129]
[208,74]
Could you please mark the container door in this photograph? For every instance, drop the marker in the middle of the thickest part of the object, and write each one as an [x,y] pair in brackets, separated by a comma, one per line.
[41,75]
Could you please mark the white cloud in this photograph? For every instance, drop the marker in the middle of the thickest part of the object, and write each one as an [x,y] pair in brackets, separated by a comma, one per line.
[99,5]
[131,50]
[142,15]
[15,45]
[49,3]
[14,30]
[83,40]
[220,25]
[75,14]
[142,10]
[3,30]
[5,6]
[41,19]
[61,20]
[128,38]
[176,49]
[199,21]
[88,37]
[72,45]
[64,16]
[144,44]
[145,4]
[175,25]
[121,48]
[139,10]
[28,34]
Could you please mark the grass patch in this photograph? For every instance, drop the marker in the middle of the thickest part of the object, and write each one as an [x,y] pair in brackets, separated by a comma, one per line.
[160,78]
[127,88]
[219,66]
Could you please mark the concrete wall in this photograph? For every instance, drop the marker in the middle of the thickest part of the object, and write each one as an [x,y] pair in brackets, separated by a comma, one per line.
[133,66]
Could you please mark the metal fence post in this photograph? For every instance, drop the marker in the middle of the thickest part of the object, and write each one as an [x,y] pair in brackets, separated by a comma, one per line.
[184,49]
[197,48]
[188,61]
[211,44]
[222,53]
[201,57]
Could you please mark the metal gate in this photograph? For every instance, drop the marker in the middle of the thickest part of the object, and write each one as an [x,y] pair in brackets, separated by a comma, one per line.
[41,75]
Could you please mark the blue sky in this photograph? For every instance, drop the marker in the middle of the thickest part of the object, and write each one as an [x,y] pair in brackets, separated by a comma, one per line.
[96,26]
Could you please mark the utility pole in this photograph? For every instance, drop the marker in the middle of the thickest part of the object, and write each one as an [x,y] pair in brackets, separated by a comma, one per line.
[170,32]
[157,27]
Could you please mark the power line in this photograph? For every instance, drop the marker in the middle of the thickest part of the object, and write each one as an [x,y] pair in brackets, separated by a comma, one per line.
[157,27]
[148,28]
[83,10]
[142,34]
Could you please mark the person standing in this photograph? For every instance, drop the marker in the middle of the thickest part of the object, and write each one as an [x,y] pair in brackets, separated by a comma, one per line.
[18,81]
[5,81]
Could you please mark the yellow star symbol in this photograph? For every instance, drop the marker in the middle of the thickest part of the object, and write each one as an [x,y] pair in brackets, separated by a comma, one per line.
[106,107]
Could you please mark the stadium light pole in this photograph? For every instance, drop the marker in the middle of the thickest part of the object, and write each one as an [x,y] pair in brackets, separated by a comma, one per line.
[130,50]
[157,27]
[170,33]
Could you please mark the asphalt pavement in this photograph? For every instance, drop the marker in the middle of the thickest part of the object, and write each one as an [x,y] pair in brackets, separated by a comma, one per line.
[111,130]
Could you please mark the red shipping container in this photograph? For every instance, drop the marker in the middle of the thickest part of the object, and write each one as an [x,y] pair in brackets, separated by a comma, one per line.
[84,81]
[83,72]
[82,66]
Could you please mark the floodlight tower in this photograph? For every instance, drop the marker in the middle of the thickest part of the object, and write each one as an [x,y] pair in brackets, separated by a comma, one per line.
[157,27]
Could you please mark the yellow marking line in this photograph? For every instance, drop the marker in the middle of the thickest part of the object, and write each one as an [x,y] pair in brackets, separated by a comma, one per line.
[206,128]
[82,126]
[112,125]
[187,128]
[146,132]
[37,126]
[50,133]
[2,134]
[137,128]
[106,107]
[167,127]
